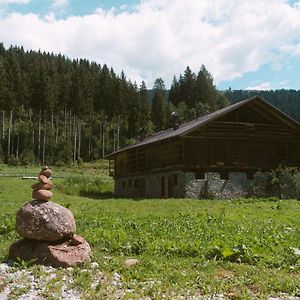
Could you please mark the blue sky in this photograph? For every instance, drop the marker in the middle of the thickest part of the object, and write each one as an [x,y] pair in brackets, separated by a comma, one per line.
[72,7]
[244,44]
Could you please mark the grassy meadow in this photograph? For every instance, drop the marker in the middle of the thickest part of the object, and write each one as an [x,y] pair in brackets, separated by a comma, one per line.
[243,249]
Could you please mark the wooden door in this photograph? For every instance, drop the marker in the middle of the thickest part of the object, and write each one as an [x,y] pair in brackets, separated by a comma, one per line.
[142,187]
[164,187]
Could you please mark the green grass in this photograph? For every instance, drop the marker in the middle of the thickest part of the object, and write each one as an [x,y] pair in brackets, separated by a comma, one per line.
[243,248]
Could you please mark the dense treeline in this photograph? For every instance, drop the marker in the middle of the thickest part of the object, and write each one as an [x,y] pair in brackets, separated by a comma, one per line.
[53,109]
[57,110]
[287,101]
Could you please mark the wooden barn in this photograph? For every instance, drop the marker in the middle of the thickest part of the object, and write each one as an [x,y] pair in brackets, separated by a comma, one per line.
[234,142]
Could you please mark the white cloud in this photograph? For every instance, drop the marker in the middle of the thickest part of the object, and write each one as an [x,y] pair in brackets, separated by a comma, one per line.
[14,1]
[261,86]
[159,38]
[59,3]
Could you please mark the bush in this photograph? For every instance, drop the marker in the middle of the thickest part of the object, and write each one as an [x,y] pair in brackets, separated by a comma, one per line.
[13,161]
[297,184]
[27,158]
[283,182]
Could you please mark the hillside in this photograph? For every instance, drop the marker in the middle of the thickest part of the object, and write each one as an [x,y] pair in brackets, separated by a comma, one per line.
[287,101]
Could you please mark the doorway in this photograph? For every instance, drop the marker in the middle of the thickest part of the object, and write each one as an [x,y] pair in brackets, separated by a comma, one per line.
[164,187]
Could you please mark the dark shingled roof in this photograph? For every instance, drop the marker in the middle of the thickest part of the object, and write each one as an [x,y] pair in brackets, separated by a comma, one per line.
[185,128]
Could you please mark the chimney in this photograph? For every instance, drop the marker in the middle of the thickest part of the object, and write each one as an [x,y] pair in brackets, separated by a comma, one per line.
[142,134]
[175,120]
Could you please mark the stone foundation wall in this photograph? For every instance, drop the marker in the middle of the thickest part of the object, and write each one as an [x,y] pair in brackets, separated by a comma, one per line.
[211,187]
[123,187]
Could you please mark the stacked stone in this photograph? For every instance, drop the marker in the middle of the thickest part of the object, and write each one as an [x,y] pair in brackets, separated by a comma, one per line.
[41,190]
[48,230]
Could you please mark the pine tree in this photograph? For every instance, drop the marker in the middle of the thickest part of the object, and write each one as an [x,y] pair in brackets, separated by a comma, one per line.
[158,107]
[206,92]
[145,124]
[187,86]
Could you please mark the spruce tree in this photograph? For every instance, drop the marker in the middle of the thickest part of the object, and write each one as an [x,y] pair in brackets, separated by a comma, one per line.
[158,107]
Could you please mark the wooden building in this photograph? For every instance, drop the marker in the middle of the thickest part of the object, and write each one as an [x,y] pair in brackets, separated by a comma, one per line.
[242,138]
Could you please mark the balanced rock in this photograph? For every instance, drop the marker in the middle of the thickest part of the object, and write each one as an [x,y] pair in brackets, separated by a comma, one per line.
[43,179]
[46,172]
[72,252]
[45,220]
[42,186]
[42,195]
[41,190]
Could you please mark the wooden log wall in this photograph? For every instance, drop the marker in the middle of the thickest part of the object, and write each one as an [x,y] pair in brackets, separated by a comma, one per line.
[253,145]
[161,155]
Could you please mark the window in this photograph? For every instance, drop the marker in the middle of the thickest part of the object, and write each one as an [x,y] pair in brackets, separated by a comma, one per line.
[200,175]
[123,184]
[130,183]
[224,175]
[136,183]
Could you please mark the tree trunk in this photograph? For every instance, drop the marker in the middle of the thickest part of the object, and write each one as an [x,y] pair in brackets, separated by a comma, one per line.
[65,131]
[79,138]
[103,142]
[90,139]
[3,124]
[56,129]
[51,130]
[39,136]
[9,133]
[71,123]
[75,140]
[114,139]
[33,137]
[44,140]
[118,133]
[18,145]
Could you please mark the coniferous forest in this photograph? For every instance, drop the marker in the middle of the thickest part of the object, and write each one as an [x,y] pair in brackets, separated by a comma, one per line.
[287,101]
[56,110]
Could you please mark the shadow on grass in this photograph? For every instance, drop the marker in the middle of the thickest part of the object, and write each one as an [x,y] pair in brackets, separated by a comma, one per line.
[98,196]
[110,195]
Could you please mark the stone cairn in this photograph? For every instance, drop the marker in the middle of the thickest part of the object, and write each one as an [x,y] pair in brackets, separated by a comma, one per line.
[48,230]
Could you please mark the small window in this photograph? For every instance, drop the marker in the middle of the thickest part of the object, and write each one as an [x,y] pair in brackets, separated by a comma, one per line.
[123,184]
[175,179]
[136,183]
[130,183]
[224,175]
[200,175]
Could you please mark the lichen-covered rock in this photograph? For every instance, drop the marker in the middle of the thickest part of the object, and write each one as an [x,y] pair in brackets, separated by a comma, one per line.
[65,254]
[47,221]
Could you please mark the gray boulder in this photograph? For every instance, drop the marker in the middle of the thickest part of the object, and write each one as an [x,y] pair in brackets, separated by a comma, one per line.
[45,220]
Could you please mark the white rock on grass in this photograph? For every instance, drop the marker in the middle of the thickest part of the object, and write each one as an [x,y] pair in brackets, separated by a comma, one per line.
[94,265]
[130,262]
